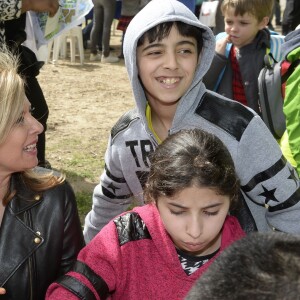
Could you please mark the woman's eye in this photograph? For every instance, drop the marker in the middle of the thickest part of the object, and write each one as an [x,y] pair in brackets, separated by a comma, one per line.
[20,120]
[31,110]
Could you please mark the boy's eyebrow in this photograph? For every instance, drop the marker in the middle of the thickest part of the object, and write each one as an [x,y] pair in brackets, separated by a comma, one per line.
[184,207]
[153,45]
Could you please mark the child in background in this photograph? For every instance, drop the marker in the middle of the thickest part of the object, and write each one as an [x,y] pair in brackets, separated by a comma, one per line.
[129,9]
[157,251]
[241,49]
[167,52]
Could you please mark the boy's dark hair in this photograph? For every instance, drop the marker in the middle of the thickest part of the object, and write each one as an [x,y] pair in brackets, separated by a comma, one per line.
[257,8]
[263,266]
[162,30]
[191,158]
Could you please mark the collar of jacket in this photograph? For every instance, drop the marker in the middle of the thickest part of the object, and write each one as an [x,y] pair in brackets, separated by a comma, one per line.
[263,38]
[24,198]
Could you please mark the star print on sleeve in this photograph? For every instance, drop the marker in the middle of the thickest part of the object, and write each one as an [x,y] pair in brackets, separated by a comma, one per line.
[293,175]
[269,195]
[113,188]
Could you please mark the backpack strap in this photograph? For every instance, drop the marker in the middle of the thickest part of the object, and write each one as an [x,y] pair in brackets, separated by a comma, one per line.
[269,60]
[227,51]
[290,70]
[276,41]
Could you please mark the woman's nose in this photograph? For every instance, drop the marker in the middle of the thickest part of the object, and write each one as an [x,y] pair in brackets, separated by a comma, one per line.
[36,126]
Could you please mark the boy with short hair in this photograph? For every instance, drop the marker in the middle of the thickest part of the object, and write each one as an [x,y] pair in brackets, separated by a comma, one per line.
[240,50]
[166,68]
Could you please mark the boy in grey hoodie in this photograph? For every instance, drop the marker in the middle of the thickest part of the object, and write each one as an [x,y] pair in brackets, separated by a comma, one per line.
[167,53]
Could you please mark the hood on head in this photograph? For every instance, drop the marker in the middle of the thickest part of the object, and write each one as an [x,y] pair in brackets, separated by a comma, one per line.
[154,13]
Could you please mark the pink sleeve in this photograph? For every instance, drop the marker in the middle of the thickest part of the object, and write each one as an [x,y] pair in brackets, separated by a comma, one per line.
[56,291]
[102,255]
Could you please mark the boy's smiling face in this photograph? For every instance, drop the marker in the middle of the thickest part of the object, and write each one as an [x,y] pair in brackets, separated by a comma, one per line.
[167,67]
[242,29]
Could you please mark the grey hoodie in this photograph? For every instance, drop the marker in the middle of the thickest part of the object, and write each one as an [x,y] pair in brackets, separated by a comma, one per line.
[270,186]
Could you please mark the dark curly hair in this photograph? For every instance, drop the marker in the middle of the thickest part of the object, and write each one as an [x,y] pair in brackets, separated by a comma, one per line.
[191,158]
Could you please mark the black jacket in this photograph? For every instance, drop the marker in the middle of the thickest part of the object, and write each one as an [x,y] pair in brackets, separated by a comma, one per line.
[40,237]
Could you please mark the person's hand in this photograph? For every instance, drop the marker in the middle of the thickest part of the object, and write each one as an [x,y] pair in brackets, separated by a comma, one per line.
[50,6]
[221,45]
[2,291]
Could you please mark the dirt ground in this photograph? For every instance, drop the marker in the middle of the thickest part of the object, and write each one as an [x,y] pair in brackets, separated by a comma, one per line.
[84,102]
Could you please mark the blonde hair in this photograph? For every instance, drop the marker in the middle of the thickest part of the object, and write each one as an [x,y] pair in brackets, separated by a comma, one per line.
[12,97]
[258,8]
[12,92]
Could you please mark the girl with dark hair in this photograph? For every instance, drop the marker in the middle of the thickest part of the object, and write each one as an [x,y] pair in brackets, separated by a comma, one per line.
[160,249]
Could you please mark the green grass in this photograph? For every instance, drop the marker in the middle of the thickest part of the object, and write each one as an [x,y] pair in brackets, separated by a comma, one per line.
[84,204]
[82,162]
[83,189]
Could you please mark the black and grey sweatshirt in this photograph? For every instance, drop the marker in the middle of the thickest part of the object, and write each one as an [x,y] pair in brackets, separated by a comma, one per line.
[269,185]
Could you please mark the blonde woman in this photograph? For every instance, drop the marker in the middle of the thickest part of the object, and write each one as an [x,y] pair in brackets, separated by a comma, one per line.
[40,232]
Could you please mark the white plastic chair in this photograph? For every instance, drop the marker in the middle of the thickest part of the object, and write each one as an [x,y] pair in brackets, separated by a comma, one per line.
[72,36]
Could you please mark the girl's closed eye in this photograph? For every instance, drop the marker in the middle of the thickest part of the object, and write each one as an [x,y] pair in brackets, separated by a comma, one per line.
[177,213]
[211,213]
